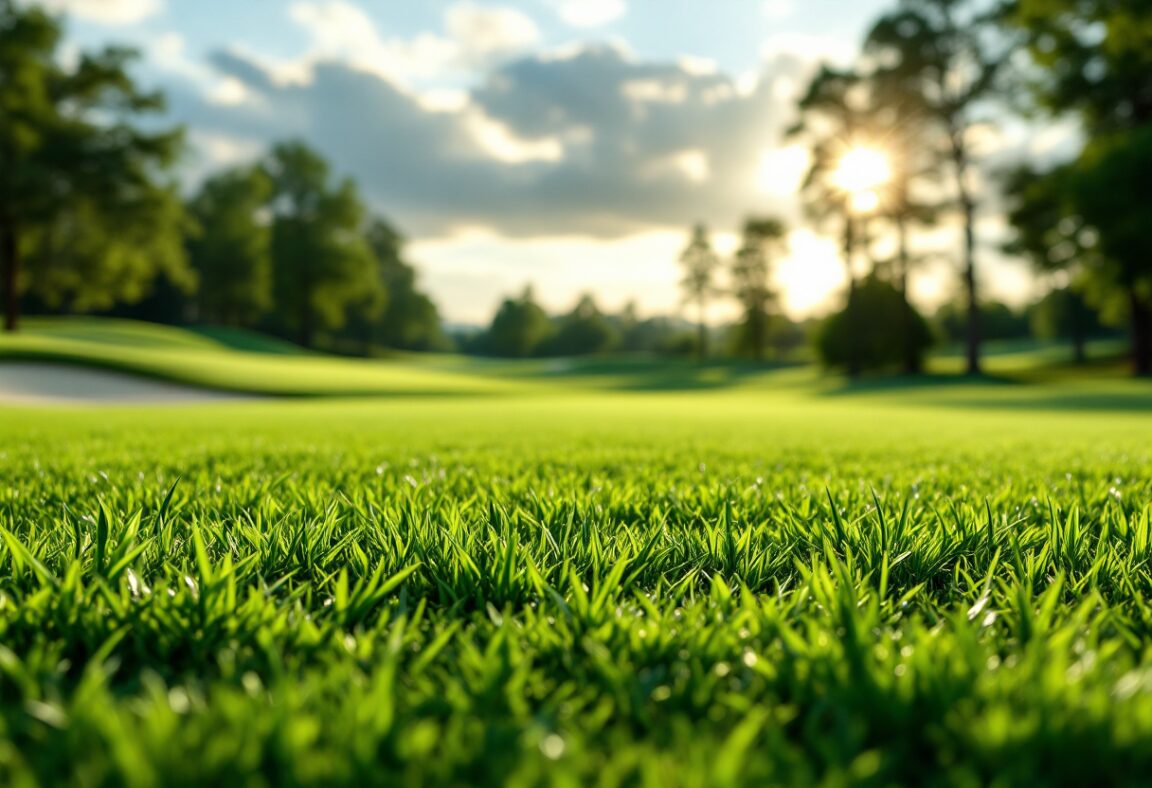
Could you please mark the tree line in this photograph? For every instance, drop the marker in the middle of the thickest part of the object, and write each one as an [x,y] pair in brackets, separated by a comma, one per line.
[930,74]
[92,217]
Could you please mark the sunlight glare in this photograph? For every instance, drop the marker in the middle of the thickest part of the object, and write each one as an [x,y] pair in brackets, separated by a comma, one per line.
[864,201]
[862,169]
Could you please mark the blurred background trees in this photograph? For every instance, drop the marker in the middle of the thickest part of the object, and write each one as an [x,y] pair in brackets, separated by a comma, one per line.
[700,265]
[93,218]
[89,213]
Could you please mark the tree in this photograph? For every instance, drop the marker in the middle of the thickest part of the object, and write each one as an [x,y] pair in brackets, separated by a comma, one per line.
[700,265]
[519,328]
[900,124]
[1095,60]
[410,320]
[1064,313]
[85,218]
[940,52]
[997,320]
[322,263]
[875,340]
[764,241]
[833,118]
[232,250]
[583,331]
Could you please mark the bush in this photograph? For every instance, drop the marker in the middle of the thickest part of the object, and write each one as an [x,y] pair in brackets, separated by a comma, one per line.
[879,328]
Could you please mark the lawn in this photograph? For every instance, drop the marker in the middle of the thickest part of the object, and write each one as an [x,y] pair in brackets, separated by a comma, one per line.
[590,574]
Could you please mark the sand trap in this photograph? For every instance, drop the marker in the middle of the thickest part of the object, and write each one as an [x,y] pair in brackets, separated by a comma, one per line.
[38,383]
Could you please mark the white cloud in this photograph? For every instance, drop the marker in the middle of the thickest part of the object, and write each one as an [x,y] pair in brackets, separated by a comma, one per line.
[469,271]
[342,31]
[169,51]
[691,164]
[474,36]
[589,13]
[655,91]
[483,33]
[495,139]
[107,12]
[698,66]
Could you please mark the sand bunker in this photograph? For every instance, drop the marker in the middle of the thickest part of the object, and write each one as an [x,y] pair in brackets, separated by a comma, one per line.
[43,383]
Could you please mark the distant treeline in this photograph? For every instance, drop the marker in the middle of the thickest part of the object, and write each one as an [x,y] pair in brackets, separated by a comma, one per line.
[92,218]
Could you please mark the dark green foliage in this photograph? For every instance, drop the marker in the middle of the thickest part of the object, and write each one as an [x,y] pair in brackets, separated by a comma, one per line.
[86,217]
[410,320]
[322,264]
[870,330]
[231,251]
[583,331]
[1065,314]
[764,242]
[998,321]
[1095,58]
[518,329]
[701,264]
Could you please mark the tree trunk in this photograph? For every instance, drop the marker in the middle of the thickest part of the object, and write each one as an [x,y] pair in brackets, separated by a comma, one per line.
[968,207]
[973,350]
[1079,352]
[10,274]
[702,330]
[1141,319]
[853,307]
[1079,340]
[911,356]
[305,333]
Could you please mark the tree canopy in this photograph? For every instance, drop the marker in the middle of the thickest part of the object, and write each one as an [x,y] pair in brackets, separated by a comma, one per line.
[87,217]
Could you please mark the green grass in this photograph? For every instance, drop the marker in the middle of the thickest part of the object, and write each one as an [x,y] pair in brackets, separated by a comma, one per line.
[598,572]
[227,360]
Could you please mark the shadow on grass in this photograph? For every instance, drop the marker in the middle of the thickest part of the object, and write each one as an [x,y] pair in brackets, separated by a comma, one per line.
[645,374]
[249,341]
[1006,391]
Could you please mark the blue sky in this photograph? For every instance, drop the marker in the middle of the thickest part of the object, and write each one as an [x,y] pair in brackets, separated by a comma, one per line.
[566,143]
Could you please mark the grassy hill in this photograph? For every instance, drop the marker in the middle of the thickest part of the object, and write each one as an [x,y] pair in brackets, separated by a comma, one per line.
[232,360]
[227,360]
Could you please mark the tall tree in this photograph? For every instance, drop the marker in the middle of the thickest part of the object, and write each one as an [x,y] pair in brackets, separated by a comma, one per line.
[902,130]
[322,264]
[519,328]
[410,320]
[942,53]
[834,115]
[764,242]
[583,331]
[1095,59]
[700,263]
[85,217]
[231,250]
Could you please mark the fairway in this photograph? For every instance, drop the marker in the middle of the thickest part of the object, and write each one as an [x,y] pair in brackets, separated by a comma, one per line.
[781,582]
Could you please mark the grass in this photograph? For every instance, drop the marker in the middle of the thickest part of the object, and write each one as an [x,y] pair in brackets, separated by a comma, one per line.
[777,580]
[227,360]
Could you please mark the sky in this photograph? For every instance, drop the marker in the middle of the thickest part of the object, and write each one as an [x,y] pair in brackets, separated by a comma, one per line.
[567,144]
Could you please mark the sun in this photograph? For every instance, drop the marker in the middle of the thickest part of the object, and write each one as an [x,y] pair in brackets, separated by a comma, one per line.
[861,170]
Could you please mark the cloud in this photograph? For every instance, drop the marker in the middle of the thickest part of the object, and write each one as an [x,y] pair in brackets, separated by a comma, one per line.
[485,33]
[589,13]
[107,12]
[552,143]
[474,36]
